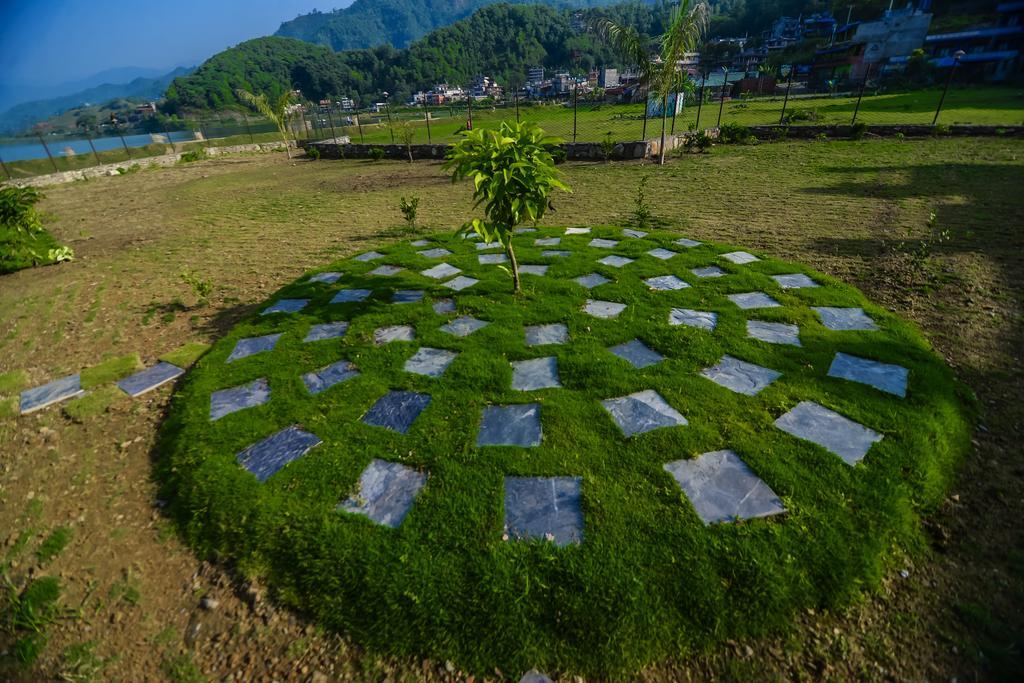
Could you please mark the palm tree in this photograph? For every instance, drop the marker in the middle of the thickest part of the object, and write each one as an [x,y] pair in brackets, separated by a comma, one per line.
[276,112]
[662,74]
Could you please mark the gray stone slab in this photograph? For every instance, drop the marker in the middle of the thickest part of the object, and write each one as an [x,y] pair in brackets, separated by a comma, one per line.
[615,261]
[387,491]
[642,412]
[740,257]
[524,231]
[688,243]
[253,345]
[773,333]
[534,676]
[397,410]
[442,306]
[635,234]
[591,281]
[386,271]
[603,309]
[722,488]
[267,457]
[326,331]
[464,326]
[491,259]
[535,373]
[663,254]
[637,354]
[554,253]
[666,283]
[540,335]
[430,362]
[577,231]
[484,246]
[740,376]
[407,296]
[547,242]
[392,333]
[514,425]
[286,306]
[326,278]
[845,319]
[325,378]
[441,271]
[815,423]
[369,256]
[599,243]
[420,243]
[532,269]
[708,271]
[544,508]
[436,252]
[704,320]
[882,376]
[460,283]
[752,300]
[150,378]
[227,401]
[794,281]
[56,391]
[348,296]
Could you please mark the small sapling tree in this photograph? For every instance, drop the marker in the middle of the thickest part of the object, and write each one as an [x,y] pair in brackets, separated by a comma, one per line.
[276,112]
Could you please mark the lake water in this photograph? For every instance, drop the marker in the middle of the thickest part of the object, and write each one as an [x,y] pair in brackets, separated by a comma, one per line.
[29,149]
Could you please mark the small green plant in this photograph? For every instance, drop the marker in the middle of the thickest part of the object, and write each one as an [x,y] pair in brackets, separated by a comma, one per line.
[734,133]
[54,544]
[641,212]
[408,208]
[700,142]
[313,153]
[942,129]
[797,115]
[134,168]
[81,664]
[858,130]
[821,137]
[193,155]
[23,240]
[406,134]
[28,613]
[200,287]
[607,146]
[377,153]
[900,137]
[278,112]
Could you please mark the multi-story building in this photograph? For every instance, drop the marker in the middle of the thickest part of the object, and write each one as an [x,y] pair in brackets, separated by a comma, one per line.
[991,53]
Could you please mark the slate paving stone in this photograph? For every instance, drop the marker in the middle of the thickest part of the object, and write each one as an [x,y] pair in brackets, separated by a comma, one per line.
[149,379]
[325,378]
[708,271]
[752,300]
[407,296]
[544,508]
[704,320]
[547,242]
[441,271]
[397,410]
[844,319]
[392,333]
[524,231]
[794,281]
[591,281]
[535,373]
[554,253]
[635,234]
[420,243]
[603,309]
[740,257]
[227,401]
[740,376]
[663,254]
[885,377]
[815,423]
[616,261]
[326,331]
[513,425]
[464,326]
[56,391]
[577,231]
[437,252]
[430,362]
[643,412]
[327,278]
[599,243]
[484,246]
[253,345]
[722,488]
[442,306]
[532,269]
[386,271]
[369,256]
[286,306]
[460,283]
[491,259]
[269,456]
[773,333]
[540,335]
[688,243]
[666,283]
[637,354]
[348,296]
[387,491]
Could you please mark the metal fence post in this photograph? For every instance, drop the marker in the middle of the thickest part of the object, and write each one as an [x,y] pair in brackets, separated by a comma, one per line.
[860,95]
[470,101]
[169,140]
[515,95]
[6,170]
[575,107]
[331,119]
[721,102]
[785,101]
[426,116]
[643,134]
[93,148]
[252,140]
[123,142]
[359,125]
[700,100]
[956,62]
[54,163]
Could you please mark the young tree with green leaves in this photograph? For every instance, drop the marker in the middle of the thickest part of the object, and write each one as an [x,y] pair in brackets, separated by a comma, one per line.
[513,176]
[276,112]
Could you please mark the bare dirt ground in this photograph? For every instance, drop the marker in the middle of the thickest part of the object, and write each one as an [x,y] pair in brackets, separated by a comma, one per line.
[148,609]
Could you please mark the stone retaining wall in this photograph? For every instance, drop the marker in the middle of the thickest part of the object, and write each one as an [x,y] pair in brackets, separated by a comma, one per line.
[803,132]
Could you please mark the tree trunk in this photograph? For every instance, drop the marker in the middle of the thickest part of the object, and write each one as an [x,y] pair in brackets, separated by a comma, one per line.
[664,122]
[517,285]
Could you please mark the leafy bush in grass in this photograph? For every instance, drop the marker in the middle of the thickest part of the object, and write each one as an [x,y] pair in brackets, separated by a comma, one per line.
[23,240]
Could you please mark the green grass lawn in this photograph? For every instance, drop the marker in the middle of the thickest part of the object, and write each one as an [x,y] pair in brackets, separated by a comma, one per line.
[649,580]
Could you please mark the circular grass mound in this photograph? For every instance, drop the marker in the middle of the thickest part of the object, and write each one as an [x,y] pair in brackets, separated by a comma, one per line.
[659,444]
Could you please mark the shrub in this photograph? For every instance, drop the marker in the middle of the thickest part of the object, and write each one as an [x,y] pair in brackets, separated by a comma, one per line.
[796,115]
[734,133]
[312,153]
[406,134]
[193,155]
[23,240]
[408,208]
[607,146]
[200,287]
[641,212]
[858,130]
[942,129]
[699,141]
[377,153]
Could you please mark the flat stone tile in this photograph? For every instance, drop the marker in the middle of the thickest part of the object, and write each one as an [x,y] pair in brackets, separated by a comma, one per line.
[491,259]
[773,333]
[536,373]
[591,281]
[815,423]
[436,252]
[464,326]
[545,508]
[397,410]
[577,231]
[369,256]
[740,376]
[348,296]
[386,271]
[751,300]
[540,335]
[704,320]
[844,319]
[286,306]
[484,246]
[460,283]
[420,243]
[532,269]
[616,261]
[227,401]
[523,231]
[547,242]
[56,391]
[407,296]
[740,257]
[642,412]
[722,488]
[554,253]
[637,354]
[666,283]
[430,362]
[325,378]
[267,457]
[599,243]
[253,345]
[708,271]
[514,425]
[441,271]
[326,278]
[603,309]
[149,379]
[442,306]
[885,377]
[387,491]
[392,333]
[326,331]
[688,243]
[794,281]
[635,234]
[663,254]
